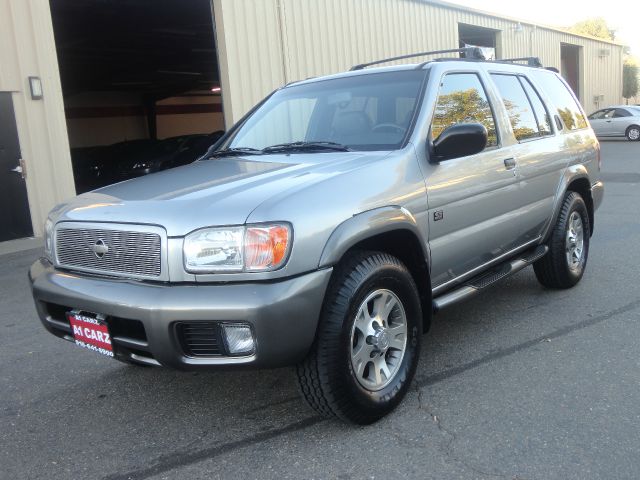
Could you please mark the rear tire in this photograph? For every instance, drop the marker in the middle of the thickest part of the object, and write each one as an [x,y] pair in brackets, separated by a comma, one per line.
[633,133]
[368,341]
[566,261]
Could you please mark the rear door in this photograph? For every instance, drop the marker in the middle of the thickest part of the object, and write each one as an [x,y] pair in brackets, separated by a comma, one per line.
[15,219]
[537,153]
[471,217]
[620,121]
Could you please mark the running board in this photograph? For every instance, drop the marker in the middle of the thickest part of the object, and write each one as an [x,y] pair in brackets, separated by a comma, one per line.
[477,283]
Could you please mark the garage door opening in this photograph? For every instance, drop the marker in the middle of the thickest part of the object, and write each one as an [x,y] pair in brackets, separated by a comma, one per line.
[140,83]
[570,66]
[478,37]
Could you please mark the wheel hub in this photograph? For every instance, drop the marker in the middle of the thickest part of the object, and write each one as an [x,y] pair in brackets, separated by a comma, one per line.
[380,340]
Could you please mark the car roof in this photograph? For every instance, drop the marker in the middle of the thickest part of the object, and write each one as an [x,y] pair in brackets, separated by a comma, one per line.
[632,107]
[452,62]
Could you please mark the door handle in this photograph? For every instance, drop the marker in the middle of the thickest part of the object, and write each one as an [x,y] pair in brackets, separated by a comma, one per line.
[510,163]
[20,169]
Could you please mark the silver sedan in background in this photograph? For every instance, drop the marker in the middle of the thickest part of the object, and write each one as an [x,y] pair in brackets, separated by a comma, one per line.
[617,121]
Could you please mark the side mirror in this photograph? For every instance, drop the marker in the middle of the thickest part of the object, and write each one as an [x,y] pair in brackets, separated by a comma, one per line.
[460,140]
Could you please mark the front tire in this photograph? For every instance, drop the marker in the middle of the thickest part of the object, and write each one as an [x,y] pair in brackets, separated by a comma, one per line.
[368,340]
[633,133]
[566,261]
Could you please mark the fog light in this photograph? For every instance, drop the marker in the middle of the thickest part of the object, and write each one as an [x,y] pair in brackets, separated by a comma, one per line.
[239,339]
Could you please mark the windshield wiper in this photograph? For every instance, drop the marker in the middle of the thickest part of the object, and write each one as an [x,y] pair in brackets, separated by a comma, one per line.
[233,152]
[306,146]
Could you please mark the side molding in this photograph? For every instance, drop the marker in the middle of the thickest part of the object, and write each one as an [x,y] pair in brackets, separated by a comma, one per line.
[366,225]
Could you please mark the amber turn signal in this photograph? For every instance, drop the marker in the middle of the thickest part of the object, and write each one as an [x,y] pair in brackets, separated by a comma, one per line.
[266,247]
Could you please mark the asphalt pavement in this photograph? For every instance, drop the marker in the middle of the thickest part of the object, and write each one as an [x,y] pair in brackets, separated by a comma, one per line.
[519,383]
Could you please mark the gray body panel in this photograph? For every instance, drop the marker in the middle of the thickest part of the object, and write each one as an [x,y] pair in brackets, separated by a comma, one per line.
[272,309]
[333,200]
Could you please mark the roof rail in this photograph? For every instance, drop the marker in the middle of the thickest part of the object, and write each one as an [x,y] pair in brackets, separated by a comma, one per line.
[531,61]
[469,52]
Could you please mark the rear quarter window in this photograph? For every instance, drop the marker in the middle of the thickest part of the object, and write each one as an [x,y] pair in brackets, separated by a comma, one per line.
[620,113]
[566,106]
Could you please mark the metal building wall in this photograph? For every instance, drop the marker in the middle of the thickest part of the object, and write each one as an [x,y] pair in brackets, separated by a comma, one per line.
[27,48]
[267,43]
[250,52]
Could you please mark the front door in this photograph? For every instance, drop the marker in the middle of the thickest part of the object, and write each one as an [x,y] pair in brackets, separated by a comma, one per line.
[15,219]
[471,199]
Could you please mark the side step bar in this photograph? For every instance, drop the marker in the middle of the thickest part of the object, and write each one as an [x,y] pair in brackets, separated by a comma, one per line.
[475,284]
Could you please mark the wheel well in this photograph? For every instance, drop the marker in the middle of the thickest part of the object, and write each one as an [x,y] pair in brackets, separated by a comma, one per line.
[583,187]
[404,245]
[626,132]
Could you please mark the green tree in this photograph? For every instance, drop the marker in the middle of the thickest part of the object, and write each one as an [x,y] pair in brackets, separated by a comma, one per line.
[629,79]
[595,27]
[463,106]
[466,106]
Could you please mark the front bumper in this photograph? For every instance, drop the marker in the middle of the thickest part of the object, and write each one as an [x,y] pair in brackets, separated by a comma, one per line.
[283,315]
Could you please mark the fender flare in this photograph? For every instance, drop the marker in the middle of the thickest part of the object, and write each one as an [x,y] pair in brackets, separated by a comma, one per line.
[366,225]
[570,175]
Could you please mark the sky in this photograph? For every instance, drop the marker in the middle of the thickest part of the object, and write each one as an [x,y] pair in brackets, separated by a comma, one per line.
[564,13]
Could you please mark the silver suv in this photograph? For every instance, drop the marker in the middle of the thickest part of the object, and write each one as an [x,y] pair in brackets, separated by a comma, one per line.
[329,225]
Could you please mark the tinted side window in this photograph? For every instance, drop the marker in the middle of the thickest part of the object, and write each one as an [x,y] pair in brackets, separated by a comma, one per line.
[561,97]
[621,113]
[542,115]
[462,99]
[523,120]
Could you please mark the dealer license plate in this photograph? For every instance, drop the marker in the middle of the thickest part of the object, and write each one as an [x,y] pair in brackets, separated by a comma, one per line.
[90,331]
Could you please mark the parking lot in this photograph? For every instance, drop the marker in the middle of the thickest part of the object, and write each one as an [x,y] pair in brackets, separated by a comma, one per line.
[520,383]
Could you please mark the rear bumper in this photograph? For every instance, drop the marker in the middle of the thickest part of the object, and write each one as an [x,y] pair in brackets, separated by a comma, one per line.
[597,194]
[283,315]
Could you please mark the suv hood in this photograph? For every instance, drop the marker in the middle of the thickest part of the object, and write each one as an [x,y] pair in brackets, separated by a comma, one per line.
[221,192]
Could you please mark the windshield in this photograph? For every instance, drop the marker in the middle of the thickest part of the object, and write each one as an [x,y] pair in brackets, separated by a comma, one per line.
[363,112]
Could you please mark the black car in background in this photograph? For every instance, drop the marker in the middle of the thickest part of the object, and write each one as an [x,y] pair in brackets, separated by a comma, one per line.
[168,153]
[95,167]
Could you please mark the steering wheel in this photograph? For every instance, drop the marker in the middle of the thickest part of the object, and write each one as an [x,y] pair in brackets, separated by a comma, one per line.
[392,126]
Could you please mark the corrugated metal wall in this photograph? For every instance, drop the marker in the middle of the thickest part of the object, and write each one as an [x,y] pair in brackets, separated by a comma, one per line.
[27,48]
[263,44]
[271,42]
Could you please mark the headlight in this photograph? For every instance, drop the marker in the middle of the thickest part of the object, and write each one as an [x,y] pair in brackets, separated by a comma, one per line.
[48,239]
[214,249]
[259,248]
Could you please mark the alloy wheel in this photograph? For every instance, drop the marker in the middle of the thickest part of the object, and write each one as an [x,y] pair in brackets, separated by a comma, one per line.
[574,241]
[378,339]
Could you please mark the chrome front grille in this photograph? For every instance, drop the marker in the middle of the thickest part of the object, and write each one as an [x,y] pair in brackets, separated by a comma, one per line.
[131,253]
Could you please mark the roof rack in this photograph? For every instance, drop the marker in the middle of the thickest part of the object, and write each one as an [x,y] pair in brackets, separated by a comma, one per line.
[531,61]
[469,52]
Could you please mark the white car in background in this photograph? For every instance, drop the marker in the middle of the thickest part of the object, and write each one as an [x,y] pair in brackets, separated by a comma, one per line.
[617,121]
